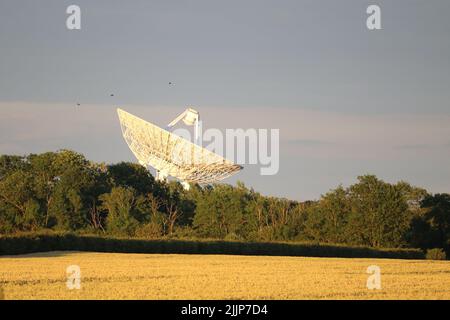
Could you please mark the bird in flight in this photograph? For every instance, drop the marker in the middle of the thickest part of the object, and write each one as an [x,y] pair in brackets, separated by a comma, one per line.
[111,95]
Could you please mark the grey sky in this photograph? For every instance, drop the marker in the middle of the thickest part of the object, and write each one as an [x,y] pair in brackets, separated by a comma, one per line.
[348,101]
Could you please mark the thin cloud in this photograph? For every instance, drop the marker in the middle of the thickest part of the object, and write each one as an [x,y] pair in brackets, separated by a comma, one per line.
[309,142]
[414,147]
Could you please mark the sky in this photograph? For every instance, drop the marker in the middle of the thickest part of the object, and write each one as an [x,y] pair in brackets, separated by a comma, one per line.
[347,101]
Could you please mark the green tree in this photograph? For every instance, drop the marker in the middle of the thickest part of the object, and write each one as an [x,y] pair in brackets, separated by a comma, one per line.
[10,164]
[121,207]
[133,175]
[380,215]
[432,229]
[219,212]
[327,219]
[19,208]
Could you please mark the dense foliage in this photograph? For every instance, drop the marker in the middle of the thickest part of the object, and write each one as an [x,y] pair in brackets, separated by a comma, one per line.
[63,191]
[60,241]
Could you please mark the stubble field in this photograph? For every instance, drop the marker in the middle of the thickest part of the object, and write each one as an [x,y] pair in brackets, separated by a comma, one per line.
[157,276]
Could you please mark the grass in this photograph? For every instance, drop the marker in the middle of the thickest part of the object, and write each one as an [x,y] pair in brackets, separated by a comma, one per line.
[175,276]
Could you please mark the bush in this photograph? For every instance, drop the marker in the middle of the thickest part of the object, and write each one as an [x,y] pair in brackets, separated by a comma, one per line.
[151,230]
[233,237]
[183,232]
[436,254]
[30,243]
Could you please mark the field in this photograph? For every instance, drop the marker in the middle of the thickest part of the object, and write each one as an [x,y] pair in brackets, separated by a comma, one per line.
[174,276]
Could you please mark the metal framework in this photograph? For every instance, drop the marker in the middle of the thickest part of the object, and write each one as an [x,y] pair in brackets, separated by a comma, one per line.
[172,155]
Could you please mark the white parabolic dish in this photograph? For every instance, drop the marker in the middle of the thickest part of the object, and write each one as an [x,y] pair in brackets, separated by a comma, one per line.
[172,155]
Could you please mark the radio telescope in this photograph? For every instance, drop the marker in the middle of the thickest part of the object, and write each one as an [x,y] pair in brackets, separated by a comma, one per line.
[172,155]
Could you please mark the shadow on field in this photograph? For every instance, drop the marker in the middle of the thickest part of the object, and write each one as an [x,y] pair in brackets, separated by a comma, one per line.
[48,254]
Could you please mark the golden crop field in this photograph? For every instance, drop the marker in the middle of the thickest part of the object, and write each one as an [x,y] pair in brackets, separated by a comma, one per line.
[157,276]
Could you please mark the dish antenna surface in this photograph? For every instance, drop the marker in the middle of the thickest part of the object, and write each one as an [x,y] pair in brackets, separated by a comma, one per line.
[172,155]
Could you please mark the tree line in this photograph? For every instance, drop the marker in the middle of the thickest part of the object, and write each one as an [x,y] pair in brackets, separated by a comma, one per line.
[63,191]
